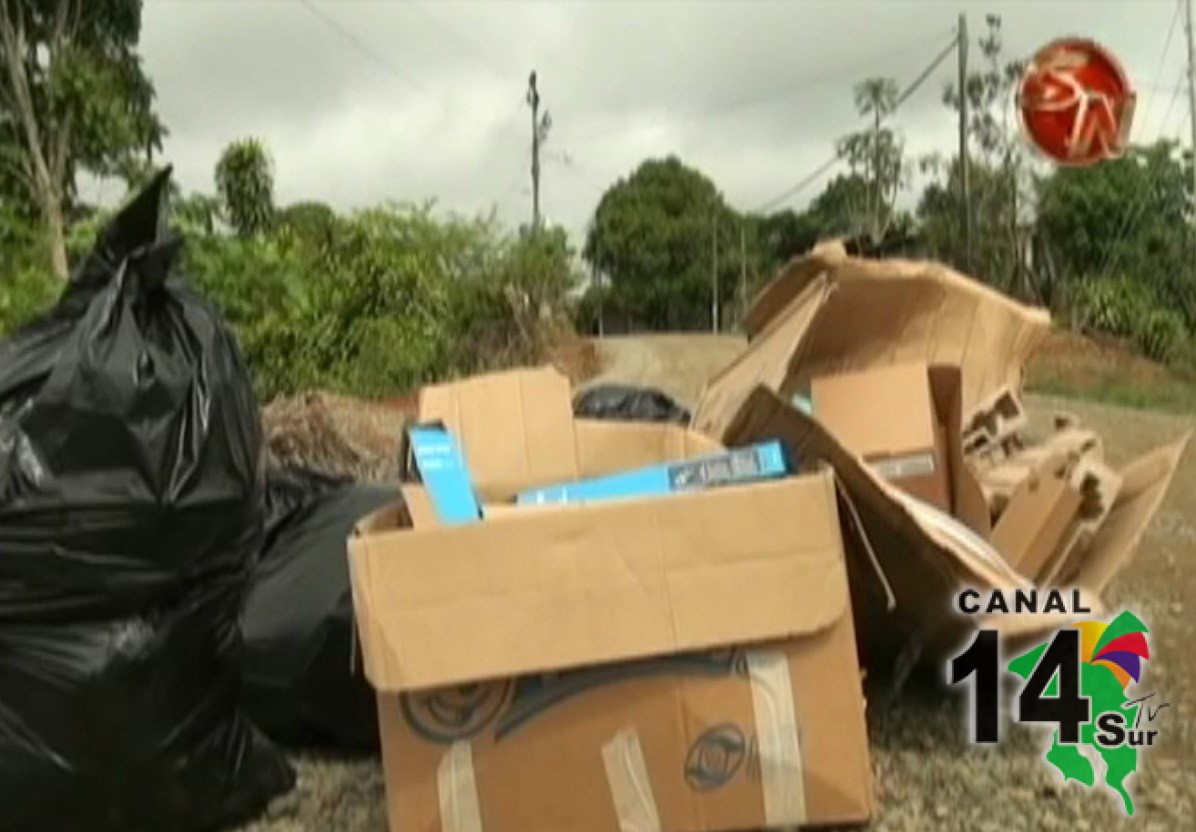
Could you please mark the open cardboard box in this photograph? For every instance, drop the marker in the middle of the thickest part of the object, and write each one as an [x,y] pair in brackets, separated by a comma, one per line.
[829,313]
[677,663]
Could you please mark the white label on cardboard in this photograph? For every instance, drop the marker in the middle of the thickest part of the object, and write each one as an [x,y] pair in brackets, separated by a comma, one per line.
[781,771]
[900,467]
[627,776]
[458,790]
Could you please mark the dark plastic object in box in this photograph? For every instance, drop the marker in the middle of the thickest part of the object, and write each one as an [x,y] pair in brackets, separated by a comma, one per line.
[618,402]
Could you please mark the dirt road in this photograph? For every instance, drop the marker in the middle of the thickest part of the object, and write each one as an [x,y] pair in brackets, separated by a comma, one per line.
[927,777]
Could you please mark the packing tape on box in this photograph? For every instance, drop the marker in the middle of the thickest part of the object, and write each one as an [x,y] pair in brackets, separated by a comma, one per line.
[782,775]
[458,790]
[627,776]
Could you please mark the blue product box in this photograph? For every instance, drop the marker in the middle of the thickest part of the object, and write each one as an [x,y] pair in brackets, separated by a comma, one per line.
[445,476]
[765,460]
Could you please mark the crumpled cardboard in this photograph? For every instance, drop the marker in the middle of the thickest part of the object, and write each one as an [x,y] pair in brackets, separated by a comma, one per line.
[827,313]
[830,313]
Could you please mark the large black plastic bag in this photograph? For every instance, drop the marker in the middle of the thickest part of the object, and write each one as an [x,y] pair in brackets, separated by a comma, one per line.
[130,512]
[298,615]
[620,402]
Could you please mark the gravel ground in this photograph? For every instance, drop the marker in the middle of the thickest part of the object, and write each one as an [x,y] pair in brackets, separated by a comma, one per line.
[927,777]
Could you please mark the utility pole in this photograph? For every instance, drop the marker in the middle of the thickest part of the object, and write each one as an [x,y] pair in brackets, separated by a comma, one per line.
[540,127]
[874,231]
[714,274]
[743,301]
[964,186]
[1191,89]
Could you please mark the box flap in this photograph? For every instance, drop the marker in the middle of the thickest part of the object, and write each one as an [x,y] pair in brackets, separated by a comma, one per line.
[606,447]
[1144,483]
[793,278]
[858,314]
[572,586]
[881,412]
[1033,525]
[924,554]
[515,427]
[967,497]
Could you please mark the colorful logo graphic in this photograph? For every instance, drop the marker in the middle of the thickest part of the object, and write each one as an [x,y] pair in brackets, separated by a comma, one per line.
[1078,680]
[1075,102]
[1111,655]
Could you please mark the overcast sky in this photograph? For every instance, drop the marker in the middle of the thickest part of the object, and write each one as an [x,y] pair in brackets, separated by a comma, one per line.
[367,100]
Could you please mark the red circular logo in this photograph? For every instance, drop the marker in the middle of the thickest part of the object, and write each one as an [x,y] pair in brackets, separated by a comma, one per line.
[1076,103]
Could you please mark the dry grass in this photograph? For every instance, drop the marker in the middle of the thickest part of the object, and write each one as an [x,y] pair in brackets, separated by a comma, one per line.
[1073,365]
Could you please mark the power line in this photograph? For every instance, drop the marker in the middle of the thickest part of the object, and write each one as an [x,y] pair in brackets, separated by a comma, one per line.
[829,163]
[469,46]
[727,107]
[1158,73]
[361,45]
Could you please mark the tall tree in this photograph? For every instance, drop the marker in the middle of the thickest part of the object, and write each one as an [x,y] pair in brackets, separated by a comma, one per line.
[245,181]
[1124,218]
[652,236]
[876,156]
[73,96]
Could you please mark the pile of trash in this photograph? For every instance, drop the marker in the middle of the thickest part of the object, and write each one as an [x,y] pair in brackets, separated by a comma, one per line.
[659,618]
[662,621]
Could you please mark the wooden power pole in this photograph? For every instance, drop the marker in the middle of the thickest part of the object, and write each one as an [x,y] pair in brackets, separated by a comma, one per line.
[743,299]
[965,191]
[540,128]
[714,274]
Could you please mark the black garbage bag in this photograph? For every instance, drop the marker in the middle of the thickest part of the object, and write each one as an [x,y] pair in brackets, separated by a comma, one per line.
[130,514]
[625,403]
[298,615]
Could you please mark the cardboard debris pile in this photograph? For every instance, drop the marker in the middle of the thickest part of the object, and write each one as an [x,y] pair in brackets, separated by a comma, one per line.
[1017,515]
[679,647]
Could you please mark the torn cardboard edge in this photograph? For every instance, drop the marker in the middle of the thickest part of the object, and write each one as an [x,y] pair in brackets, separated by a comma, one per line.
[827,314]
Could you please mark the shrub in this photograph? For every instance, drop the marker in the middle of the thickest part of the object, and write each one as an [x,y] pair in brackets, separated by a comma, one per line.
[1130,309]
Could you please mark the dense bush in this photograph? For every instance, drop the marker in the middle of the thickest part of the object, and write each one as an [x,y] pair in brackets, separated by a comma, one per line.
[369,304]
[1129,308]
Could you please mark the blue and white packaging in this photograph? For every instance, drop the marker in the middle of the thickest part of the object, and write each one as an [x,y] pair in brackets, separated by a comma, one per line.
[765,460]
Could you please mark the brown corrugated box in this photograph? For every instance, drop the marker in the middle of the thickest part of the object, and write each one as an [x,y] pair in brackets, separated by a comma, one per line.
[887,416]
[687,662]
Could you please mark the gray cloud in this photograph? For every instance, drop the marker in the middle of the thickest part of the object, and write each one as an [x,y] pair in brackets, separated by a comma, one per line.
[405,100]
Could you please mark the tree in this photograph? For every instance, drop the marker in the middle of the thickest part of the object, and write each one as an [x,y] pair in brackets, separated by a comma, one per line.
[73,96]
[875,156]
[245,182]
[784,235]
[1126,217]
[652,236]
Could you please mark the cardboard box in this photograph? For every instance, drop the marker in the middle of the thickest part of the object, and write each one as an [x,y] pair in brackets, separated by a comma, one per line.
[888,417]
[686,662]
